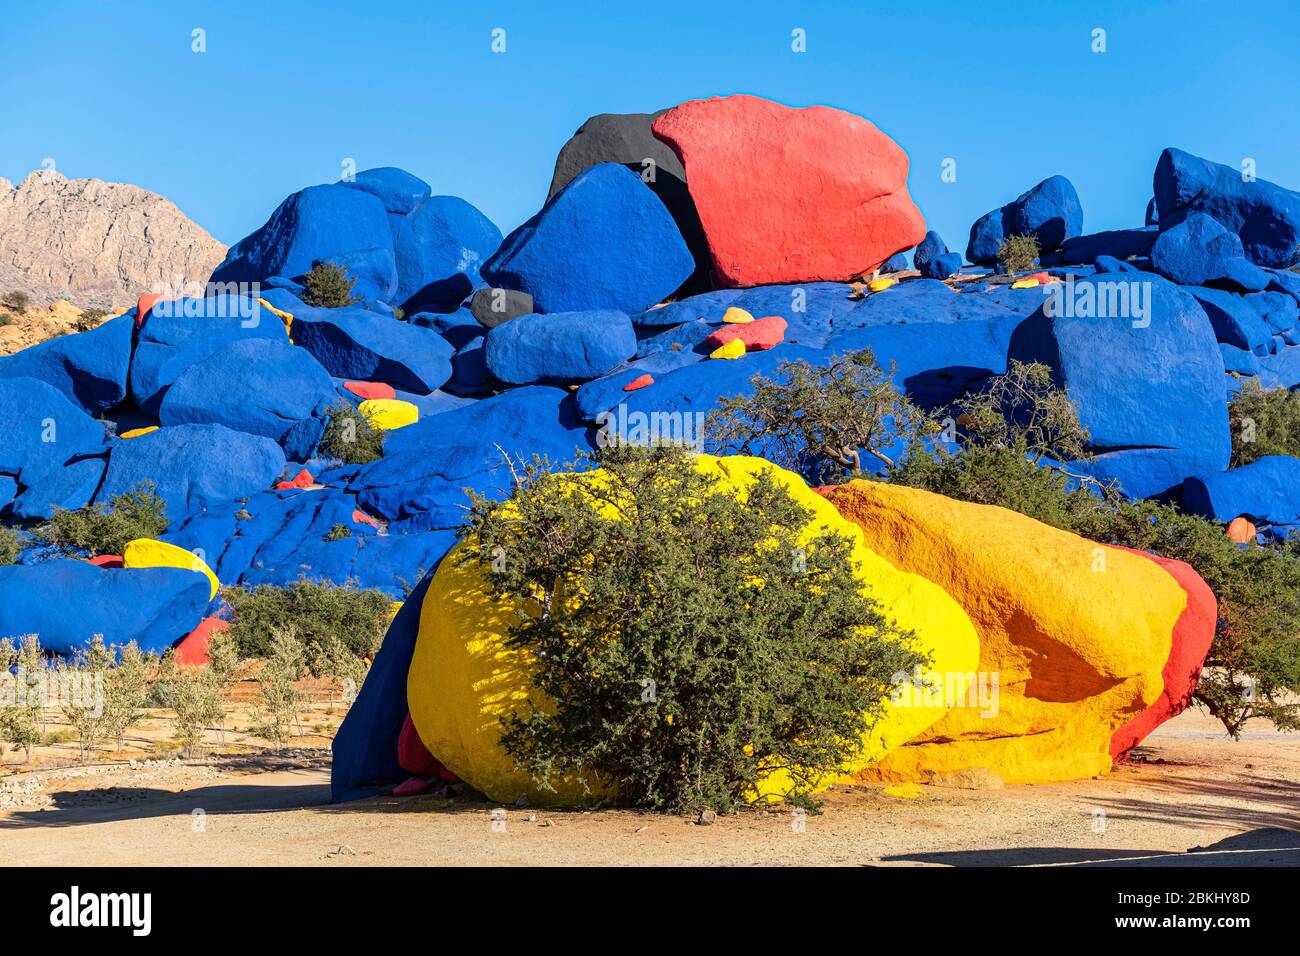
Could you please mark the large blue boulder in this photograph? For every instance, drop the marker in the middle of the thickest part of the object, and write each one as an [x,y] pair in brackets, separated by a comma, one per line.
[895,263]
[281,388]
[398,190]
[1120,244]
[1264,216]
[179,334]
[373,272]
[1200,251]
[559,348]
[43,430]
[66,603]
[69,488]
[1143,368]
[1234,321]
[316,224]
[1051,211]
[88,367]
[605,241]
[440,248]
[193,467]
[358,344]
[932,258]
[1263,491]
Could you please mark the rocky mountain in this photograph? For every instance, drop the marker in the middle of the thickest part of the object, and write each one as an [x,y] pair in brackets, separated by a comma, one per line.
[96,243]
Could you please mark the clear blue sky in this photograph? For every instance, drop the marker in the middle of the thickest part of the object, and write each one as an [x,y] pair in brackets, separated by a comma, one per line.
[288,89]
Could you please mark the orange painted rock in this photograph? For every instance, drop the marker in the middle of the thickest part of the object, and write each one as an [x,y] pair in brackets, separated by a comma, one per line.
[758,336]
[1241,530]
[1193,632]
[792,195]
[371,390]
[192,650]
[107,561]
[300,480]
[360,517]
[641,381]
[144,305]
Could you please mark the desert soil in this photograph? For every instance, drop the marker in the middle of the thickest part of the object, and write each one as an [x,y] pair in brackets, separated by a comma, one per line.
[1196,798]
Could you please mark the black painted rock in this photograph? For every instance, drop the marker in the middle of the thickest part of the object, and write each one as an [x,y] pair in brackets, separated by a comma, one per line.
[493,307]
[626,138]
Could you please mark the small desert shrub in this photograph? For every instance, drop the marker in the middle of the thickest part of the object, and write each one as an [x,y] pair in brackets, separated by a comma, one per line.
[1018,253]
[11,546]
[328,286]
[17,300]
[6,319]
[349,437]
[339,532]
[317,611]
[194,693]
[685,639]
[121,681]
[90,319]
[1263,422]
[281,699]
[97,529]
[22,725]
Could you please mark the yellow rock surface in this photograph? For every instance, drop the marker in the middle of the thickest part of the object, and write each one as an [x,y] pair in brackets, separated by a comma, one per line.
[463,679]
[148,553]
[137,432]
[389,413]
[904,791]
[1025,284]
[881,284]
[732,350]
[283,316]
[1077,634]
[736,316]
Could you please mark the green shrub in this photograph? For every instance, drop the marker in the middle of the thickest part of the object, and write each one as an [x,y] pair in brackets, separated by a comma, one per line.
[124,681]
[688,639]
[349,437]
[1263,422]
[194,693]
[339,532]
[6,319]
[90,319]
[317,612]
[22,724]
[1018,253]
[98,529]
[11,546]
[278,682]
[328,286]
[18,300]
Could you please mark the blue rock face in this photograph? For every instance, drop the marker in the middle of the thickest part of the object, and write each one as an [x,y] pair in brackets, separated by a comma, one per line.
[605,241]
[398,190]
[66,603]
[1119,244]
[1233,319]
[440,248]
[357,344]
[43,430]
[895,263]
[1146,375]
[559,348]
[193,467]
[933,260]
[280,388]
[1264,491]
[90,368]
[373,271]
[1199,251]
[1265,217]
[69,487]
[1051,211]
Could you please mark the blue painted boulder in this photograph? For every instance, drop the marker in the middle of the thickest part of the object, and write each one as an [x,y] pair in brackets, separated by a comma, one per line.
[67,602]
[194,467]
[281,389]
[440,247]
[1264,216]
[1234,321]
[69,487]
[605,241]
[895,263]
[1051,211]
[90,368]
[1200,251]
[357,344]
[1120,244]
[43,430]
[1263,491]
[373,272]
[316,224]
[559,348]
[933,260]
[398,190]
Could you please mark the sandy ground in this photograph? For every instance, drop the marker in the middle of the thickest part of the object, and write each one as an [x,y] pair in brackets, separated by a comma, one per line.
[1233,803]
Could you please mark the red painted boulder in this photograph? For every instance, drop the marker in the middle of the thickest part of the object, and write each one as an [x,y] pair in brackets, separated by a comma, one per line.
[1193,632]
[300,480]
[413,756]
[371,390]
[107,561]
[144,305]
[192,650]
[758,336]
[792,195]
[640,382]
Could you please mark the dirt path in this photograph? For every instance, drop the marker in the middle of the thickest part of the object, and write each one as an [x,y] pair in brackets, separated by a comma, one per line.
[1241,800]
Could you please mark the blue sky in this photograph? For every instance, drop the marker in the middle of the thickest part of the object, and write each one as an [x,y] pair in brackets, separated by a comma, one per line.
[288,90]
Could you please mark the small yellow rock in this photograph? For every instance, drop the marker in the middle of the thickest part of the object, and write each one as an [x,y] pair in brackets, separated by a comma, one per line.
[904,791]
[283,316]
[732,350]
[387,414]
[736,316]
[148,553]
[881,284]
[137,432]
[1025,284]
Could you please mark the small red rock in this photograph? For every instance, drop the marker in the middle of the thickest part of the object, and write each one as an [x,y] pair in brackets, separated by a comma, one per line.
[412,787]
[369,390]
[107,561]
[300,480]
[412,755]
[641,381]
[192,650]
[360,517]
[758,336]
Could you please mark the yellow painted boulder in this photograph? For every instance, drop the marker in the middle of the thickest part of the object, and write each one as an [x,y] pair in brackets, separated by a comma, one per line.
[736,316]
[387,414]
[881,283]
[1076,634]
[148,553]
[463,679]
[732,350]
